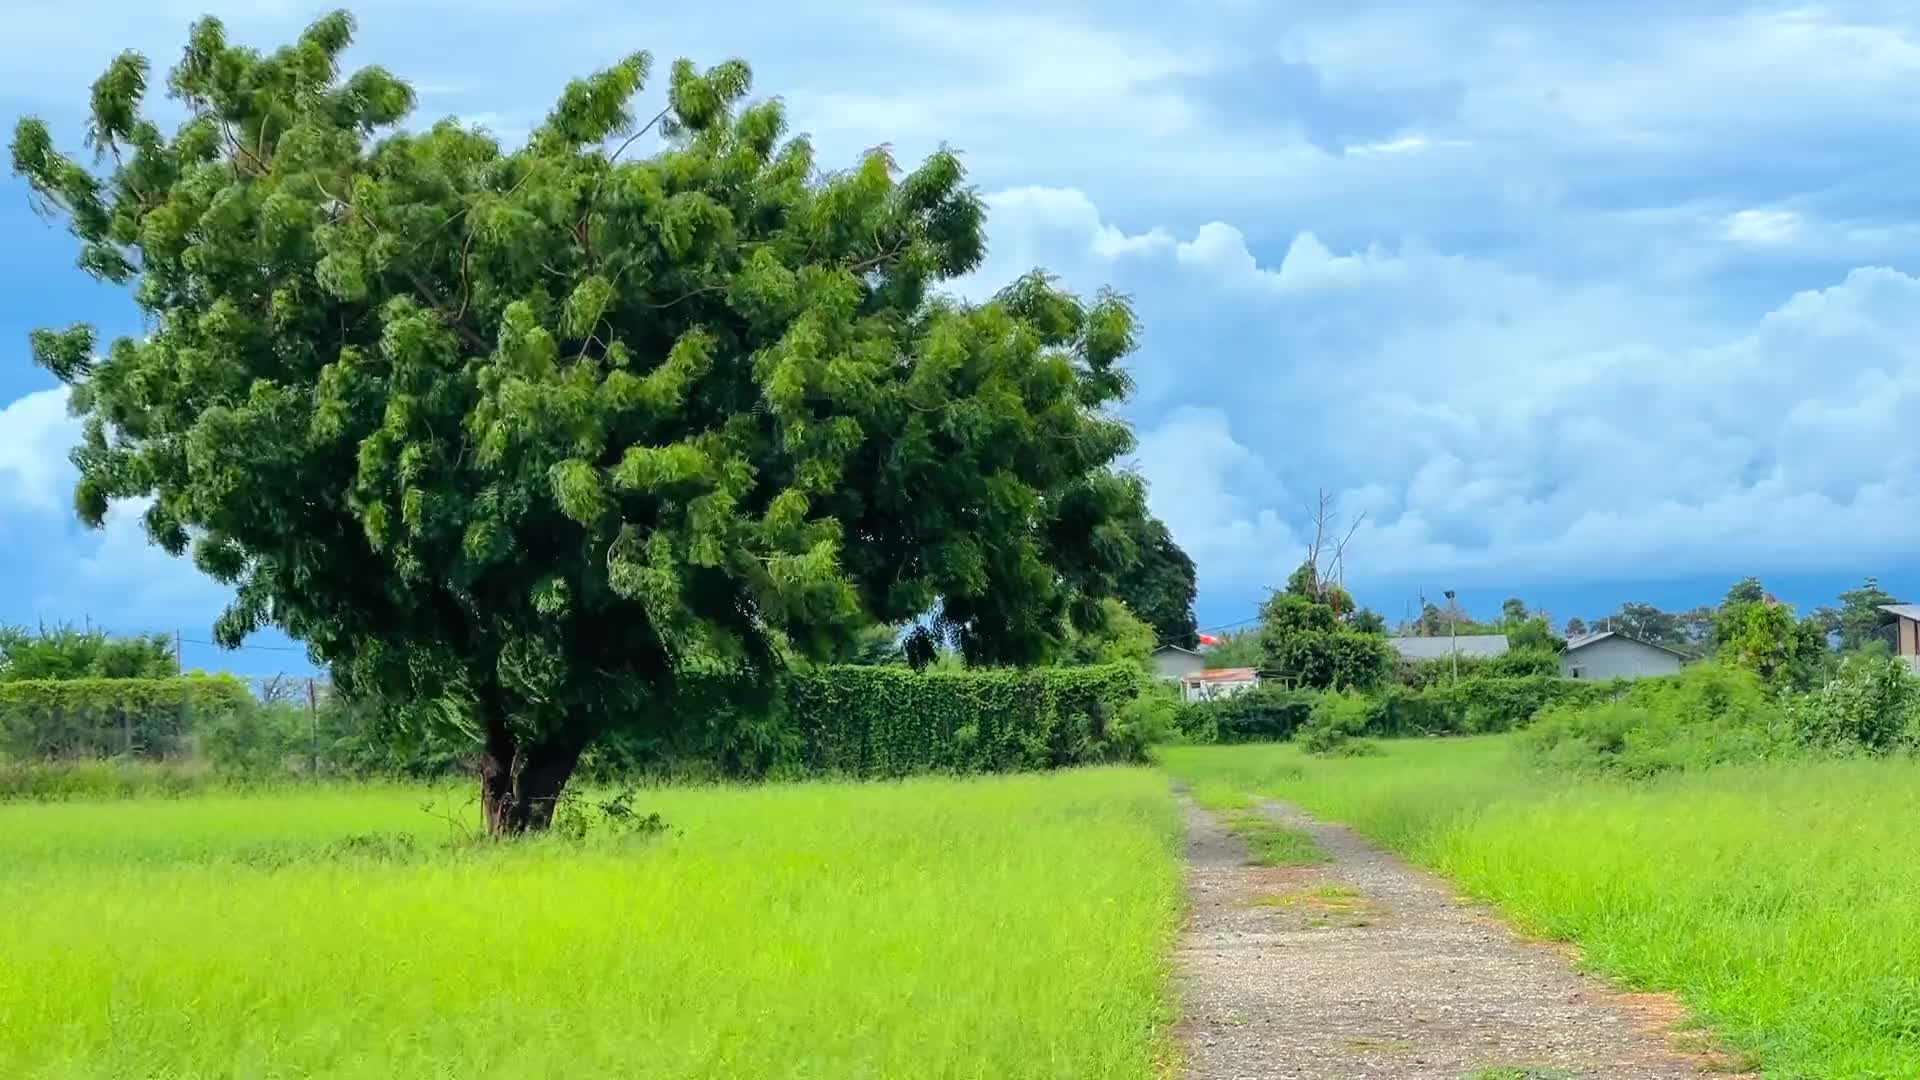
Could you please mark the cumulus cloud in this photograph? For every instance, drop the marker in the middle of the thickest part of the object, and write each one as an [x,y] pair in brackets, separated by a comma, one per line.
[35,432]
[1496,423]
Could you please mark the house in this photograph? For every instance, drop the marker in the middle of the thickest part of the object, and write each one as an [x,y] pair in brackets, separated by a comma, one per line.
[1198,682]
[1211,683]
[1612,655]
[1466,646]
[1174,662]
[1906,639]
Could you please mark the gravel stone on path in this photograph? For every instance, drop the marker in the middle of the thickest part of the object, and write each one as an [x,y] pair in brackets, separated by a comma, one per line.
[1364,967]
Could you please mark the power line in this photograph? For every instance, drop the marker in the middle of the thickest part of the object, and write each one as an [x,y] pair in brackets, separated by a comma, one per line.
[255,648]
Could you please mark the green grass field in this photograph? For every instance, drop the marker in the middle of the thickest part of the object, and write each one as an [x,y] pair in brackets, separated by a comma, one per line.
[1013,927]
[1781,903]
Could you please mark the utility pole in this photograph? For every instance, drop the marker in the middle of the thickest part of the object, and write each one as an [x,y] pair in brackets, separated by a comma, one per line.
[179,664]
[1453,632]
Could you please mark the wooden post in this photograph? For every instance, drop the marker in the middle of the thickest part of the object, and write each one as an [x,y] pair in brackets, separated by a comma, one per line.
[313,730]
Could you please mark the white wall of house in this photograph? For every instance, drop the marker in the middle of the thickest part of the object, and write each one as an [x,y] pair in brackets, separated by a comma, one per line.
[1617,658]
[1211,689]
[1176,663]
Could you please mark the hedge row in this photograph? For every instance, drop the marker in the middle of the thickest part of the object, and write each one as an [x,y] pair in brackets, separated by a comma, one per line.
[888,721]
[1471,706]
[81,718]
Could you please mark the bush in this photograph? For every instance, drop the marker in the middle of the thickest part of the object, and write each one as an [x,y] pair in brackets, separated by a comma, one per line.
[869,721]
[1480,705]
[1336,723]
[1263,714]
[1706,715]
[106,717]
[1512,664]
[1872,705]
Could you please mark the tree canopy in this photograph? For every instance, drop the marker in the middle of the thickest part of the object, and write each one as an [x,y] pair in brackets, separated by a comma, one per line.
[1159,584]
[510,437]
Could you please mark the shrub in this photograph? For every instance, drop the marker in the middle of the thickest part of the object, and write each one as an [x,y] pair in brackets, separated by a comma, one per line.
[1872,705]
[1265,713]
[1335,725]
[868,721]
[1480,705]
[104,717]
[1706,715]
[1512,664]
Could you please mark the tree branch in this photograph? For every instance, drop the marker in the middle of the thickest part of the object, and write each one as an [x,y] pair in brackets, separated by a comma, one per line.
[453,322]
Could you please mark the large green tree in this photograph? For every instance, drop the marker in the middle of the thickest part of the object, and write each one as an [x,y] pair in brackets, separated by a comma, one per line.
[514,437]
[1159,584]
[1858,621]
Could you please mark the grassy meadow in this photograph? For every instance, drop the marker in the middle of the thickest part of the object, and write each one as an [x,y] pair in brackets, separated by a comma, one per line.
[1781,902]
[1005,927]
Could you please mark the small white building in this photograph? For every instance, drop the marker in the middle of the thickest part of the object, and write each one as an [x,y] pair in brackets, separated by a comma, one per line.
[1174,662]
[1612,655]
[1198,682]
[1210,683]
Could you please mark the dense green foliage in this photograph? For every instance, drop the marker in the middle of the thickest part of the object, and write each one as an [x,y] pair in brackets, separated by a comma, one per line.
[99,717]
[1306,643]
[1159,583]
[514,437]
[1776,900]
[891,722]
[1872,705]
[1265,713]
[66,653]
[1858,622]
[1012,927]
[1707,715]
[1271,713]
[1121,637]
[1479,705]
[1338,721]
[1512,664]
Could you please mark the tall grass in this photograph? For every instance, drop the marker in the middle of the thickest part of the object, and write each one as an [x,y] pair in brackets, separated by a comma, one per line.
[994,927]
[1781,901]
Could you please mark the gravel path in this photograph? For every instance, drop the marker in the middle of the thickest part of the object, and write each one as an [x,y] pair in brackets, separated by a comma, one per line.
[1364,967]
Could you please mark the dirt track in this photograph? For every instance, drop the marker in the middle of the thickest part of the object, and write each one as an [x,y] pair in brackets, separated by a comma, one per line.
[1365,967]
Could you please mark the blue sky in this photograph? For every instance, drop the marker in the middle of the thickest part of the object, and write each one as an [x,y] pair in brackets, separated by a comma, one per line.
[1581,302]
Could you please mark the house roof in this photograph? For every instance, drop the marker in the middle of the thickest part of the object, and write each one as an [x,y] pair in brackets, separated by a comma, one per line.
[1175,648]
[1223,674]
[1905,611]
[1439,648]
[1583,642]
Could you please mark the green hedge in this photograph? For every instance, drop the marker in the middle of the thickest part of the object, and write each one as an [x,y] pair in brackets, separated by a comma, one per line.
[889,721]
[1476,706]
[1262,714]
[83,718]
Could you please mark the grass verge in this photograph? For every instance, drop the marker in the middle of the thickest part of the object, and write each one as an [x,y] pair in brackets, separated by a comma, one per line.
[993,927]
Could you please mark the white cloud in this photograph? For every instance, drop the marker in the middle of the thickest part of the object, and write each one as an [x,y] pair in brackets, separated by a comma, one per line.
[1496,423]
[1405,144]
[35,433]
[1762,227]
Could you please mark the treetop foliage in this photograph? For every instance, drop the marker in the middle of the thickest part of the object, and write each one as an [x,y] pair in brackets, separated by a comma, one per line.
[528,430]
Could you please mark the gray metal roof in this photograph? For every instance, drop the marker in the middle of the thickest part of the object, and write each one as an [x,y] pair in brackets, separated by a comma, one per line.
[1905,611]
[1583,642]
[1439,648]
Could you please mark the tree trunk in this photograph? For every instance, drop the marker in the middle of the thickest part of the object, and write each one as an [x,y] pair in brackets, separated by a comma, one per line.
[521,782]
